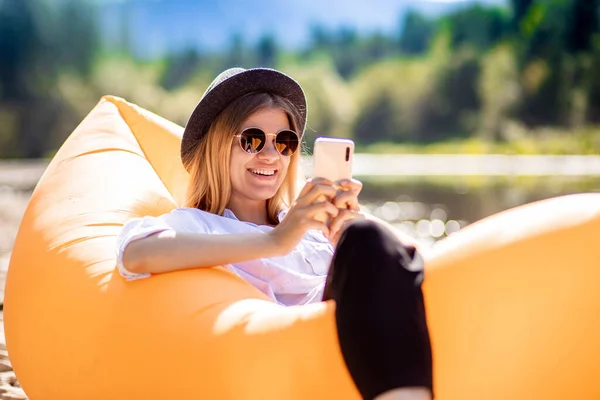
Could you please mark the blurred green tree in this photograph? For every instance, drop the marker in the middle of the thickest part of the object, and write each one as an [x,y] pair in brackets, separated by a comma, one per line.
[592,83]
[540,49]
[377,47]
[320,38]
[320,42]
[349,51]
[267,51]
[520,9]
[498,90]
[583,43]
[477,26]
[378,120]
[391,97]
[180,68]
[76,37]
[39,42]
[455,101]
[583,25]
[23,47]
[237,55]
[346,53]
[416,33]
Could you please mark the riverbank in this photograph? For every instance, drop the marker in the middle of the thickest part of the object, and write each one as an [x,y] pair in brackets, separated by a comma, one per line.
[24,174]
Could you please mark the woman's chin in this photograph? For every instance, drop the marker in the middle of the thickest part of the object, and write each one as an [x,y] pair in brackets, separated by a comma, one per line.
[263,190]
[259,192]
[264,195]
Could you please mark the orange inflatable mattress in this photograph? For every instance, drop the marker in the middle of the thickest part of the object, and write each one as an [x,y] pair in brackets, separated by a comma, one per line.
[513,300]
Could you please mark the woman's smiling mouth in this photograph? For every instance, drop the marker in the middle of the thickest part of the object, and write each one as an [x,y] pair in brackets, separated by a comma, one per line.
[263,173]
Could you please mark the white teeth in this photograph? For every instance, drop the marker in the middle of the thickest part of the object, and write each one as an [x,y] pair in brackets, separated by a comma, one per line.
[266,172]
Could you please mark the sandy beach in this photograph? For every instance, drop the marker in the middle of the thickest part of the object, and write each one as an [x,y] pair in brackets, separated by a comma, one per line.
[12,206]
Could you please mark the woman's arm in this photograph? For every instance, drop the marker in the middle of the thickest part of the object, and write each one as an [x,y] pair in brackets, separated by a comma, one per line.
[170,251]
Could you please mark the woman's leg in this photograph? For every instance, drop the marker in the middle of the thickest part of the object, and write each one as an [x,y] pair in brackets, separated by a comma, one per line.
[376,283]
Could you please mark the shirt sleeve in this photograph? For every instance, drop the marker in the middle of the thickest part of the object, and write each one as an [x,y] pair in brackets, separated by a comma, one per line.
[178,220]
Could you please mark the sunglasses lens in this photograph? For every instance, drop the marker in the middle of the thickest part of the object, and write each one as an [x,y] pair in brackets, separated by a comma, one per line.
[286,143]
[252,140]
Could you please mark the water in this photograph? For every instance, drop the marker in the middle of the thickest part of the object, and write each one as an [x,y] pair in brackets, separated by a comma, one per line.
[426,196]
[430,208]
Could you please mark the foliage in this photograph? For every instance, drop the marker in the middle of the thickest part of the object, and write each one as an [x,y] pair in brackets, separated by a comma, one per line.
[416,33]
[545,141]
[520,79]
[38,43]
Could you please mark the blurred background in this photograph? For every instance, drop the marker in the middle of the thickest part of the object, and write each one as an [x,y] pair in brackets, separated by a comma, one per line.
[414,83]
[459,109]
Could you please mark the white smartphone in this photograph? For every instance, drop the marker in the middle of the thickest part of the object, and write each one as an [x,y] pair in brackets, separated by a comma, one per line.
[332,158]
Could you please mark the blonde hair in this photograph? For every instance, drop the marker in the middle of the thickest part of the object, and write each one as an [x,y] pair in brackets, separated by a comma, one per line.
[210,186]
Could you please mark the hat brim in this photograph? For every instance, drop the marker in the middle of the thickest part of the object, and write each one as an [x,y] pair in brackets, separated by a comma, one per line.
[221,95]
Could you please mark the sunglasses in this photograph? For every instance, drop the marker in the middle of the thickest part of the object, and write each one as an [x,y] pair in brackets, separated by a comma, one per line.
[253,140]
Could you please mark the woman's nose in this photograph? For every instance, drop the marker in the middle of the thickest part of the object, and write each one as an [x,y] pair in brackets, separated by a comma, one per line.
[269,152]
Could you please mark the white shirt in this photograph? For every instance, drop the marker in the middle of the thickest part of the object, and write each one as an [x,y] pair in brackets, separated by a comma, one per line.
[295,279]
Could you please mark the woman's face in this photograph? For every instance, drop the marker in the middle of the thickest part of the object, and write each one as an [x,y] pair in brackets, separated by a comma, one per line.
[256,177]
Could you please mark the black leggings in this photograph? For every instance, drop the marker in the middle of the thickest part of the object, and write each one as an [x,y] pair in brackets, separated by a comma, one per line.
[375,281]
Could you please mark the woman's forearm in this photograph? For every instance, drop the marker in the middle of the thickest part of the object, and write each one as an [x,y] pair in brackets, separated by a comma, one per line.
[170,251]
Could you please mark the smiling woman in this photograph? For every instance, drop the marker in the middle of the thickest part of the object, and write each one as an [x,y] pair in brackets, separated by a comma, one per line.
[248,210]
[257,172]
[249,219]
[499,295]
[241,149]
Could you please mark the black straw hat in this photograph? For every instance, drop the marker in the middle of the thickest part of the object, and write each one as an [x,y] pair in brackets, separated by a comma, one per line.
[231,84]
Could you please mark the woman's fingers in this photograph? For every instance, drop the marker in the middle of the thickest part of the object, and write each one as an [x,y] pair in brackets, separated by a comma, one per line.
[301,218]
[339,223]
[347,195]
[308,186]
[346,199]
[321,212]
[322,203]
[318,192]
[321,208]
[350,184]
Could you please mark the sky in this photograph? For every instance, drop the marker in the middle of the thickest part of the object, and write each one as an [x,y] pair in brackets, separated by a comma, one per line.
[404,1]
[158,25]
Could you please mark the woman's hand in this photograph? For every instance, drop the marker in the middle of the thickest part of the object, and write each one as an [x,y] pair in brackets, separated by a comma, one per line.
[340,223]
[346,197]
[346,200]
[315,199]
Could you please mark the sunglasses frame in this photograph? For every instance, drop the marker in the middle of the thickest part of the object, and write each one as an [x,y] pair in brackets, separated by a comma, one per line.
[239,137]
